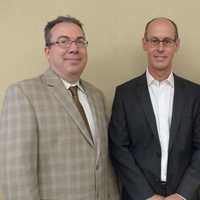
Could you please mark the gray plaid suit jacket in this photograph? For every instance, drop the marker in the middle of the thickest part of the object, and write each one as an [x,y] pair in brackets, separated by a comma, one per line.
[46,152]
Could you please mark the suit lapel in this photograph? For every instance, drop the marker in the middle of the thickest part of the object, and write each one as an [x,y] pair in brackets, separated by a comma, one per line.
[94,109]
[178,107]
[64,98]
[145,100]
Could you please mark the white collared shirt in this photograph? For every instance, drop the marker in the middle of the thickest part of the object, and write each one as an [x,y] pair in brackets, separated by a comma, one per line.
[85,104]
[162,95]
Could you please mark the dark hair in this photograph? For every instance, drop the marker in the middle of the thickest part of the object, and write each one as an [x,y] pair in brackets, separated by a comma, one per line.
[59,19]
[157,18]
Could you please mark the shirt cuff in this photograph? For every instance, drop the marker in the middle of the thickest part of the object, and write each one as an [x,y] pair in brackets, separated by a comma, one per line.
[181,196]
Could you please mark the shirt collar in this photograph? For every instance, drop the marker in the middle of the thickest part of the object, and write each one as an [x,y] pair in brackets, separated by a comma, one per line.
[68,85]
[152,80]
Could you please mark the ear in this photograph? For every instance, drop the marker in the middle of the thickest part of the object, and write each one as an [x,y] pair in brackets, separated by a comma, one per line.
[144,44]
[177,44]
[46,51]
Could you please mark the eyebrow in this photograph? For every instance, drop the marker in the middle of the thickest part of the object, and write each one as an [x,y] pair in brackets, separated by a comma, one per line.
[154,37]
[65,36]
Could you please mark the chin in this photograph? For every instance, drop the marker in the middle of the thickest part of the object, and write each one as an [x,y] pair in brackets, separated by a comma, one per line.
[161,65]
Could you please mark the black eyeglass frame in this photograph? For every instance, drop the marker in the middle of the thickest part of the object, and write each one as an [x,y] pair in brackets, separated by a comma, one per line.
[167,42]
[65,42]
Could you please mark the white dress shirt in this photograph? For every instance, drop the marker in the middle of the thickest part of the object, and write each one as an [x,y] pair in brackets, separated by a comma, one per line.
[162,95]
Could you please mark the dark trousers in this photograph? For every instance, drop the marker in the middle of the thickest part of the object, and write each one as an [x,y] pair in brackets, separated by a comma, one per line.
[164,191]
[197,195]
[163,188]
[125,196]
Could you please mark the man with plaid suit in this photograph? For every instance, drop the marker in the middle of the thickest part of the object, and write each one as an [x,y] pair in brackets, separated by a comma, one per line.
[46,150]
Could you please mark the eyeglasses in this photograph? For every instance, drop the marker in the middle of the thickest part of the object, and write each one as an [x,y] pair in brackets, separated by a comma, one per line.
[166,42]
[65,42]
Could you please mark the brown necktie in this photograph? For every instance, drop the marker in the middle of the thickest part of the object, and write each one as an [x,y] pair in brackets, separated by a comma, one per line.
[74,92]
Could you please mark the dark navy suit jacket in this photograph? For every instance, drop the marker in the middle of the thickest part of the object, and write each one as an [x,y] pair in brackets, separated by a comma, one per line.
[134,142]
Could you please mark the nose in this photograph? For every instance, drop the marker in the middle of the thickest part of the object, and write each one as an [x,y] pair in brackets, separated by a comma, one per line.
[160,46]
[73,48]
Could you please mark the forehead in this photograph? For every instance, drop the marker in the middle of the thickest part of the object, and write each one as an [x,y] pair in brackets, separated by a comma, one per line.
[161,28]
[66,29]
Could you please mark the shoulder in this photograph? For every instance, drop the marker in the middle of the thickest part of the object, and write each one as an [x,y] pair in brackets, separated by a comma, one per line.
[133,83]
[187,84]
[24,87]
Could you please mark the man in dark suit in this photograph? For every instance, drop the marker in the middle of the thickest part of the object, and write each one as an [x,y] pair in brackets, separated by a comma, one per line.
[155,125]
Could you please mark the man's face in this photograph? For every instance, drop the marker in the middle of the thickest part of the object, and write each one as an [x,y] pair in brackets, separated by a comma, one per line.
[68,62]
[160,54]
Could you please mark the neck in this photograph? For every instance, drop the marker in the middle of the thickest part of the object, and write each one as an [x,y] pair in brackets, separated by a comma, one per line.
[70,79]
[159,75]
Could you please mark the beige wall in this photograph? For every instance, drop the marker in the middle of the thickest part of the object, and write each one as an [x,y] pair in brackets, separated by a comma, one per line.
[114,29]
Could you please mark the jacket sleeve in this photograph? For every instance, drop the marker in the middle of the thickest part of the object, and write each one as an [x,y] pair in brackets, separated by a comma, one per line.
[18,147]
[132,178]
[190,182]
